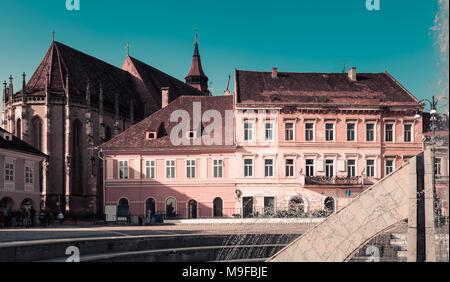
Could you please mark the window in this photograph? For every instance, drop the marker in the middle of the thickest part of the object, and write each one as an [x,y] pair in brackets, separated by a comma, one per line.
[389,166]
[351,168]
[389,132]
[191,134]
[329,168]
[289,131]
[123,169]
[170,168]
[218,168]
[248,167]
[370,132]
[268,131]
[248,131]
[309,165]
[151,135]
[309,131]
[407,134]
[351,132]
[268,167]
[171,207]
[269,205]
[190,168]
[370,168]
[289,167]
[329,131]
[28,175]
[437,166]
[9,171]
[150,169]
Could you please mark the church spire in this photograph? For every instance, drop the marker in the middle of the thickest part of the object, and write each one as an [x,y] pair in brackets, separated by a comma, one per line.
[196,77]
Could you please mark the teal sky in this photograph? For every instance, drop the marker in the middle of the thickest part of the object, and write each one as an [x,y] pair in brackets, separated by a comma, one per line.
[296,36]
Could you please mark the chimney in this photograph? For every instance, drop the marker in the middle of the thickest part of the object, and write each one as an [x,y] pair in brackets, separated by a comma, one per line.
[274,72]
[164,97]
[352,74]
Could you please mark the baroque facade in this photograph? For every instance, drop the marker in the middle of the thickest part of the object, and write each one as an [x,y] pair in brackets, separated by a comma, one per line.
[300,142]
[74,102]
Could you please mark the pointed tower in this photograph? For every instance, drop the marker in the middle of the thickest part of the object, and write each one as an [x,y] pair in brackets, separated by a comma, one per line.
[196,77]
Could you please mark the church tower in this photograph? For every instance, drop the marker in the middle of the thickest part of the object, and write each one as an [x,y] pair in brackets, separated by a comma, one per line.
[196,77]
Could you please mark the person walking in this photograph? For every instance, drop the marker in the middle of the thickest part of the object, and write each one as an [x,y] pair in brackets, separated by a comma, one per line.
[60,218]
[32,215]
[42,218]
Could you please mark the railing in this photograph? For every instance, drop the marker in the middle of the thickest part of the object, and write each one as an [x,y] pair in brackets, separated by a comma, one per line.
[335,180]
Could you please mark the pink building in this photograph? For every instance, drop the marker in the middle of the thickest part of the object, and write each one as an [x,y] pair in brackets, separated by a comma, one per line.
[291,142]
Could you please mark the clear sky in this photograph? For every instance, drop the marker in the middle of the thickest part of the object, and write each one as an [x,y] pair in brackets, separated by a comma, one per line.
[293,35]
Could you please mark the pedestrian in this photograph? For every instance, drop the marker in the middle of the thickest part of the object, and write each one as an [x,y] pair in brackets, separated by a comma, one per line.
[42,218]
[32,215]
[61,218]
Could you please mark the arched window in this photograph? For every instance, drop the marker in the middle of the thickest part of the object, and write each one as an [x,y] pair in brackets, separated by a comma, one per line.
[192,204]
[217,207]
[150,207]
[329,204]
[123,209]
[171,207]
[296,205]
[77,158]
[19,128]
[27,204]
[6,203]
[36,132]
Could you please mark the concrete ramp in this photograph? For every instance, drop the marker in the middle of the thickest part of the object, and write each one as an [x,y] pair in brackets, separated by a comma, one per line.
[338,237]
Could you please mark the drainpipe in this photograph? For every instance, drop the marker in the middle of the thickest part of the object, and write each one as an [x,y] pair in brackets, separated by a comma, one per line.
[101,156]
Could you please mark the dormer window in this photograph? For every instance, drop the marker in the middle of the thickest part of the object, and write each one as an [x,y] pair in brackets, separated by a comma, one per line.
[151,135]
[191,134]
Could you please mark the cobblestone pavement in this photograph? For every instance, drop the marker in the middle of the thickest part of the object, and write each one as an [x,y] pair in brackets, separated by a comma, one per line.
[64,232]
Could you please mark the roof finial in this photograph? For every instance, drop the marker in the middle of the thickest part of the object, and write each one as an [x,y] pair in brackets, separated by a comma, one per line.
[128,48]
[53,36]
[196,36]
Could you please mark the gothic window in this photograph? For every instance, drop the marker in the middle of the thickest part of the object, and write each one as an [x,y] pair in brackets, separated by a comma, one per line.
[36,132]
[77,157]
[19,128]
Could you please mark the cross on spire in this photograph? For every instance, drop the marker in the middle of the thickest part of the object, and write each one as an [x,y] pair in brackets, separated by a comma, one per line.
[128,48]
[53,36]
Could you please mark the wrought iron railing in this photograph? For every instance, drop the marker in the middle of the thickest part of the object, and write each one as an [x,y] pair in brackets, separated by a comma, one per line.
[335,180]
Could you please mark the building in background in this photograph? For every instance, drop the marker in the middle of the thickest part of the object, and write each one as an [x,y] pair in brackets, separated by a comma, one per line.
[74,102]
[20,174]
[302,143]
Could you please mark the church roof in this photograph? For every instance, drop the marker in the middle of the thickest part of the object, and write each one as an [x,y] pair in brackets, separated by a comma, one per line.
[256,87]
[17,145]
[154,79]
[135,136]
[61,61]
[196,66]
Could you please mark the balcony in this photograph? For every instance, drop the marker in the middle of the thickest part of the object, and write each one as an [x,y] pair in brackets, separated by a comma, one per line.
[335,180]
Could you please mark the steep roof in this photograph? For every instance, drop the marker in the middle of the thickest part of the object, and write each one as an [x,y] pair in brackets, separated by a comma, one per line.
[17,145]
[320,88]
[135,136]
[154,79]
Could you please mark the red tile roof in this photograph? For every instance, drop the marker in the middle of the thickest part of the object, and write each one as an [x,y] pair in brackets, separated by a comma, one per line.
[135,136]
[18,145]
[320,88]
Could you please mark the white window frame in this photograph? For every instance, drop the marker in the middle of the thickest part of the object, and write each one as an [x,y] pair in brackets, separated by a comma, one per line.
[125,173]
[286,167]
[293,130]
[272,130]
[355,166]
[393,132]
[11,163]
[374,131]
[28,174]
[191,168]
[273,167]
[252,166]
[325,131]
[252,127]
[334,167]
[386,166]
[148,169]
[374,168]
[313,129]
[221,166]
[355,130]
[438,172]
[313,165]
[412,132]
[174,166]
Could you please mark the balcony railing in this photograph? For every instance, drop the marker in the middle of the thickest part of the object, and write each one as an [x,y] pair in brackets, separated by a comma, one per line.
[335,180]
